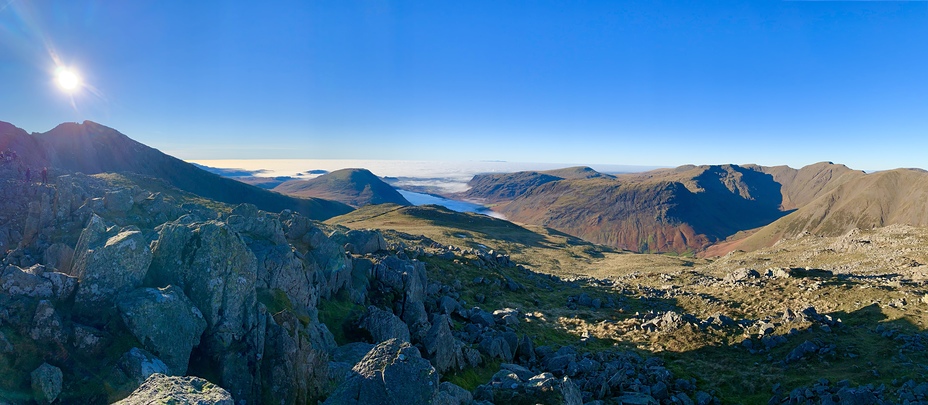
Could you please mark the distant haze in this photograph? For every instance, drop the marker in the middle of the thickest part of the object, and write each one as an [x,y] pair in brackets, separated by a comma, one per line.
[448,176]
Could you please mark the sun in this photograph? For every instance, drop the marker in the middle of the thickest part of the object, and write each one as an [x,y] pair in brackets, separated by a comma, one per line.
[67,79]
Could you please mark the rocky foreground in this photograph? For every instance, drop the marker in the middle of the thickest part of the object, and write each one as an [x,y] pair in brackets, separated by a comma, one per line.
[121,288]
[109,288]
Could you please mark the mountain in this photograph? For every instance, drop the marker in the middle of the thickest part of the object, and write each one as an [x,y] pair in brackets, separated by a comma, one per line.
[495,187]
[93,148]
[866,201]
[355,187]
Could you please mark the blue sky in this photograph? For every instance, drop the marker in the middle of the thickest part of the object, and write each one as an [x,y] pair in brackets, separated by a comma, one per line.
[614,82]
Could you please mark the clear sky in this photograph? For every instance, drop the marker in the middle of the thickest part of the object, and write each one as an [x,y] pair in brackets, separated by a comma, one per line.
[616,82]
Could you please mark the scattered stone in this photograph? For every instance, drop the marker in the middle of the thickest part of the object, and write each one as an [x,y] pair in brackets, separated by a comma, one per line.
[46,383]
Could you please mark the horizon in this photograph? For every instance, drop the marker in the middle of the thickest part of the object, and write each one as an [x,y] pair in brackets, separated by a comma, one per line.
[659,84]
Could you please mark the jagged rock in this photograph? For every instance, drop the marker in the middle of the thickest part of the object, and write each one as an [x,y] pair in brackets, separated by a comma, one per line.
[448,305]
[217,271]
[540,389]
[364,241]
[801,351]
[63,285]
[47,325]
[384,325]
[106,265]
[741,275]
[120,200]
[58,256]
[160,388]
[393,373]
[89,340]
[132,369]
[16,281]
[525,351]
[46,383]
[442,349]
[636,398]
[499,346]
[165,321]
[481,317]
[450,394]
[328,261]
[295,365]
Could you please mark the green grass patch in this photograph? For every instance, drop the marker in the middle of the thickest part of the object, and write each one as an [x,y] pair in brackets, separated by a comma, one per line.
[470,378]
[341,316]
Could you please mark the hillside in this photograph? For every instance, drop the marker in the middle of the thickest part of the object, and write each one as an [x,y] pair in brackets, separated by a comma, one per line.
[867,201]
[92,148]
[355,187]
[667,210]
[496,187]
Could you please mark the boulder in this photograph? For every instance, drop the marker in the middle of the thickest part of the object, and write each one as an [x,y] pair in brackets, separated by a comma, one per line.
[450,394]
[165,321]
[364,241]
[162,389]
[132,369]
[46,383]
[18,282]
[295,366]
[393,373]
[120,200]
[47,325]
[384,325]
[107,263]
[442,348]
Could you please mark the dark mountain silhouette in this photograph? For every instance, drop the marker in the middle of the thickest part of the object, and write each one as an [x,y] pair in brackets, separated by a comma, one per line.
[93,148]
[355,187]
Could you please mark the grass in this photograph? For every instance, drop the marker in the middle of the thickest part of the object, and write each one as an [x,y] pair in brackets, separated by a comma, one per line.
[341,316]
[470,378]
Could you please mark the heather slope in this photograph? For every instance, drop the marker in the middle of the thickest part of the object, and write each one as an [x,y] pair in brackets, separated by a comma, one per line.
[355,187]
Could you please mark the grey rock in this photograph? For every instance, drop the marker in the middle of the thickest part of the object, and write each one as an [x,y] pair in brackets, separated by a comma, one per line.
[46,383]
[16,281]
[636,398]
[801,351]
[450,394]
[393,373]
[165,321]
[120,200]
[442,349]
[482,318]
[107,265]
[384,325]
[160,388]
[217,272]
[365,241]
[132,369]
[47,325]
[351,353]
[741,275]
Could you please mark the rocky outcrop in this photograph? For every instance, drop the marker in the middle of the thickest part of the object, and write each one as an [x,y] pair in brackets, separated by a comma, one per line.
[108,262]
[215,268]
[165,321]
[392,373]
[162,389]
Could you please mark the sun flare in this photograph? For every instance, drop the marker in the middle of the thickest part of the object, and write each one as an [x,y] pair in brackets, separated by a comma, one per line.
[67,79]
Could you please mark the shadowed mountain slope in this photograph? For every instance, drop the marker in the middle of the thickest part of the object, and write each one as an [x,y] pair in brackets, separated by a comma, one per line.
[674,210]
[93,148]
[496,187]
[355,187]
[867,201]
